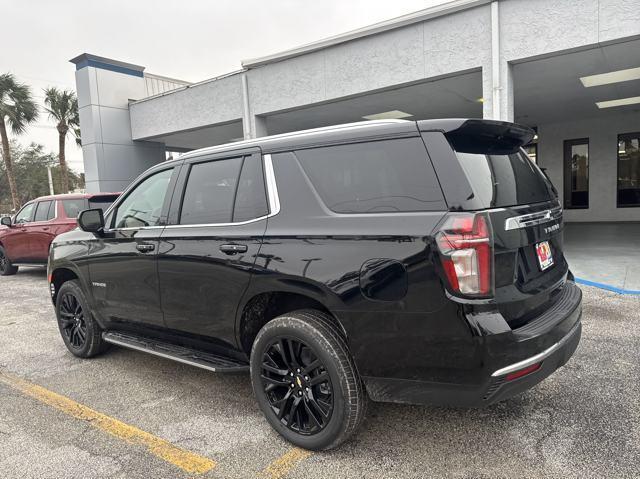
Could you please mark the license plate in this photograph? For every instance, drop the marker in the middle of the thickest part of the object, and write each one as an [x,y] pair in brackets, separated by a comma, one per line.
[545,258]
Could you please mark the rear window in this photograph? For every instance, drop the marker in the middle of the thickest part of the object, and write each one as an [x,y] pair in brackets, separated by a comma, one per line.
[72,208]
[386,176]
[505,180]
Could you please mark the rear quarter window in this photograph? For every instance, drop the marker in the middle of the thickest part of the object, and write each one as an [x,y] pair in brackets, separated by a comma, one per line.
[386,176]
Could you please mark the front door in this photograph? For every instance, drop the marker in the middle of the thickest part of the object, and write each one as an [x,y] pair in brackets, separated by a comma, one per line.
[14,241]
[207,257]
[122,263]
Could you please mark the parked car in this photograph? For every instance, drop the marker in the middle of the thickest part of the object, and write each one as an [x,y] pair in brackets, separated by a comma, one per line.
[25,237]
[416,262]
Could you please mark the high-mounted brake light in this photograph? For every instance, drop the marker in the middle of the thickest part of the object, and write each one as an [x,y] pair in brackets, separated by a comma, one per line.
[464,241]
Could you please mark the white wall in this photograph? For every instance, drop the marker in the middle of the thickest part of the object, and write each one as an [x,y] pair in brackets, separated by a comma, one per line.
[603,156]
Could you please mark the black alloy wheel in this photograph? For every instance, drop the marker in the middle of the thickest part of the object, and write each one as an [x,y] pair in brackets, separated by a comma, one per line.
[297,386]
[79,330]
[72,321]
[305,380]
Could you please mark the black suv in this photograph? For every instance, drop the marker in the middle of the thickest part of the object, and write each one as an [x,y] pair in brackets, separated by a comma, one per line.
[417,262]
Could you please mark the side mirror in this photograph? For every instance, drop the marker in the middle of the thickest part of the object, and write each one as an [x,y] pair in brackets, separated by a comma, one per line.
[6,221]
[91,221]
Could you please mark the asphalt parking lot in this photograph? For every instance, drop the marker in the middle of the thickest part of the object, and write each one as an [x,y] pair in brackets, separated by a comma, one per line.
[584,421]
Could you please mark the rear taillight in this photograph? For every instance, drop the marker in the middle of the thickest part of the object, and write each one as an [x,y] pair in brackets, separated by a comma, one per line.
[464,241]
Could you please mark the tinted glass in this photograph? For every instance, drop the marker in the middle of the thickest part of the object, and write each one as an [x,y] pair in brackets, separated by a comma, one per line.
[143,205]
[42,211]
[72,208]
[576,174]
[103,204]
[374,177]
[211,187]
[251,198]
[505,180]
[24,215]
[629,170]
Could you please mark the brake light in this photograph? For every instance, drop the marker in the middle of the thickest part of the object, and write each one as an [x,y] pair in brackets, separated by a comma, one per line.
[464,241]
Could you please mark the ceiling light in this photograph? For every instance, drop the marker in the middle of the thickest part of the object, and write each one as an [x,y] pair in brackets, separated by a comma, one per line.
[611,77]
[388,115]
[620,102]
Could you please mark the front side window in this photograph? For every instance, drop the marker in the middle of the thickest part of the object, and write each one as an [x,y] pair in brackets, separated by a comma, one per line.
[629,169]
[576,173]
[143,205]
[72,208]
[25,214]
[386,176]
[42,211]
[210,192]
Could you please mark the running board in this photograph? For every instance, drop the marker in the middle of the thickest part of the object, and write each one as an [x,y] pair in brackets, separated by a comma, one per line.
[181,354]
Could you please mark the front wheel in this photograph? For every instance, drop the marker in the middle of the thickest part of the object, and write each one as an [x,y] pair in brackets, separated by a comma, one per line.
[6,268]
[80,332]
[305,380]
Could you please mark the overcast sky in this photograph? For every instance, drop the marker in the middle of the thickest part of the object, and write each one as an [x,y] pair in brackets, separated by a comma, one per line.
[186,39]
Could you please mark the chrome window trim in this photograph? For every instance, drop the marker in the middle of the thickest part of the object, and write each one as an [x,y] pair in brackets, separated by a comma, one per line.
[538,357]
[272,197]
[532,219]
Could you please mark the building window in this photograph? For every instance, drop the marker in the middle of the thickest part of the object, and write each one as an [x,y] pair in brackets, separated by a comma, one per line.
[576,173]
[629,170]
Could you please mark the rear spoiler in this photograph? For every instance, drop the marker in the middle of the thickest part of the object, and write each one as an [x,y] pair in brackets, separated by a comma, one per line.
[481,136]
[104,197]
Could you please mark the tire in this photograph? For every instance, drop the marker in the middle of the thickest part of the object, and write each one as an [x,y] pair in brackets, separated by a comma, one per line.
[330,396]
[6,268]
[80,332]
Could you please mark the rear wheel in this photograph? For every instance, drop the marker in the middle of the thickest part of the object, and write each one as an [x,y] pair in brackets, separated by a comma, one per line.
[305,380]
[80,332]
[6,268]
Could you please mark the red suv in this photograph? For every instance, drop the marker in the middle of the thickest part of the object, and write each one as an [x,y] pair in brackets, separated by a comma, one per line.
[25,238]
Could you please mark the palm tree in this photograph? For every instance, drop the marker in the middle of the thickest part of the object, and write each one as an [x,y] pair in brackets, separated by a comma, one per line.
[17,110]
[62,107]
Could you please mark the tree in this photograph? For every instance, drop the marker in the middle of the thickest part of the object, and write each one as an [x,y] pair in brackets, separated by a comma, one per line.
[30,169]
[62,107]
[17,110]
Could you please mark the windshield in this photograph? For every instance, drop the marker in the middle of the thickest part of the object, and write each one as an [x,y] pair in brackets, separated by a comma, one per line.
[505,180]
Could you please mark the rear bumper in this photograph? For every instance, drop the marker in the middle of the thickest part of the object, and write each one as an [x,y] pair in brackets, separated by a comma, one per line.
[549,343]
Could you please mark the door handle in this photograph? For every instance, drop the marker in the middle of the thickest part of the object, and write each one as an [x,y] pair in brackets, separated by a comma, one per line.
[231,249]
[145,247]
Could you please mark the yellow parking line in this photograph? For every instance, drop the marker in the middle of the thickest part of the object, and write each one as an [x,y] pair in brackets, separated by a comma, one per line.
[185,460]
[281,466]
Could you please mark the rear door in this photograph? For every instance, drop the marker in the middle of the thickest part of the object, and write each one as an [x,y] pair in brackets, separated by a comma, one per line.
[40,232]
[207,254]
[524,212]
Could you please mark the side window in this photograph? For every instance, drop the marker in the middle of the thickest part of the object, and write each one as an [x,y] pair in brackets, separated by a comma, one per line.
[25,214]
[386,176]
[210,191]
[52,211]
[42,211]
[72,208]
[143,205]
[251,198]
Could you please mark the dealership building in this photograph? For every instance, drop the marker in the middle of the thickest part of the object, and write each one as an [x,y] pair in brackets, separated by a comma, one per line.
[569,69]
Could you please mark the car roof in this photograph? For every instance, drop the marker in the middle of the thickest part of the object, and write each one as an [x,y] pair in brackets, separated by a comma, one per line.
[73,196]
